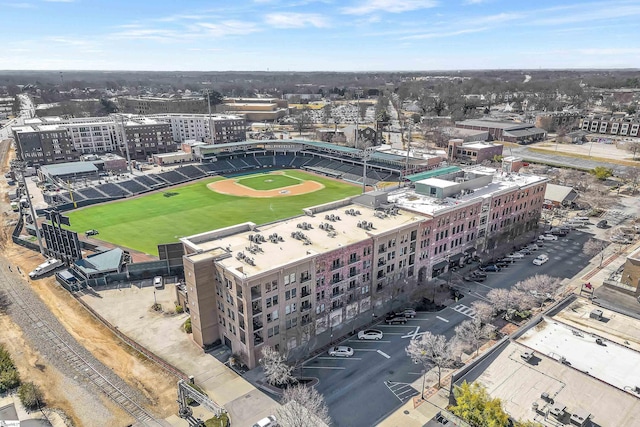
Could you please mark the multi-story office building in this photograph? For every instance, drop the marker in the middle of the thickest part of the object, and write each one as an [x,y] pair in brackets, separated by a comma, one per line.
[195,127]
[285,283]
[255,109]
[157,105]
[472,152]
[44,144]
[612,125]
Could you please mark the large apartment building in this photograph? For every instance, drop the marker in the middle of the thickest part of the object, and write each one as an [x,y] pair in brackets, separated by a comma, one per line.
[156,105]
[287,283]
[621,125]
[195,127]
[44,144]
[146,136]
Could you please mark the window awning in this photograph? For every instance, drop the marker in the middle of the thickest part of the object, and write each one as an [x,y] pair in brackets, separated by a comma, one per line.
[456,257]
[440,265]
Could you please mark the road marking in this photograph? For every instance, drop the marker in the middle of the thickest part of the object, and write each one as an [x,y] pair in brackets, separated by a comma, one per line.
[400,390]
[364,349]
[337,358]
[384,354]
[371,341]
[463,309]
[443,319]
[323,367]
[393,333]
[414,334]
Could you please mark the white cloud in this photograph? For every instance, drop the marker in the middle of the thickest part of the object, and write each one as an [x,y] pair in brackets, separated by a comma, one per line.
[392,6]
[228,28]
[295,20]
[19,5]
[591,12]
[442,34]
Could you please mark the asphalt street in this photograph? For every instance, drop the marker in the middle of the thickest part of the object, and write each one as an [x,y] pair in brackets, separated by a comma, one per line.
[363,389]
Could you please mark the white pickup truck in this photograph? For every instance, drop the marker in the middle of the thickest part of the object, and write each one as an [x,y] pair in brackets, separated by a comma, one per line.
[45,267]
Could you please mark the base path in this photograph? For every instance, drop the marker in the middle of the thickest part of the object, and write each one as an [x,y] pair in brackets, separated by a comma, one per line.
[232,188]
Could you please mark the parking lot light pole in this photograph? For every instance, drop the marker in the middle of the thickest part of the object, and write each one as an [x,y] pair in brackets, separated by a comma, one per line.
[424,377]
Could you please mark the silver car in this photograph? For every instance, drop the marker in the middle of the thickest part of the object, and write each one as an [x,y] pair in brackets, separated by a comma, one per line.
[370,334]
[341,351]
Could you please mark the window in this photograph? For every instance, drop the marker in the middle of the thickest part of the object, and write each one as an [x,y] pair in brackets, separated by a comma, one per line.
[290,294]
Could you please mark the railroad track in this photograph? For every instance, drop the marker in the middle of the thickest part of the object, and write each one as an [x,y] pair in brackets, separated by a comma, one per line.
[76,361]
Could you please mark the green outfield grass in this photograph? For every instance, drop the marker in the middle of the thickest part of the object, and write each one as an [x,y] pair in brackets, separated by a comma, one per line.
[268,181]
[144,222]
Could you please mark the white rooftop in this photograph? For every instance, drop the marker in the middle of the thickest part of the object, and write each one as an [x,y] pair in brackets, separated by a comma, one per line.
[579,348]
[346,232]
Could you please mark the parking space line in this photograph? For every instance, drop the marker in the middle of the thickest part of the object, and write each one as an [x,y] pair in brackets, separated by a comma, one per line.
[384,354]
[338,368]
[337,358]
[393,333]
[364,349]
[442,318]
[367,341]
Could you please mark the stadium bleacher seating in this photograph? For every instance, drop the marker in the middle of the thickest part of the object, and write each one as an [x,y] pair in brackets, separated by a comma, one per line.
[90,193]
[133,186]
[265,161]
[191,172]
[149,181]
[172,177]
[112,190]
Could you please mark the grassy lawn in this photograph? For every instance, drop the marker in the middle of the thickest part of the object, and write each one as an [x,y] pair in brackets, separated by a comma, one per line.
[144,222]
[268,182]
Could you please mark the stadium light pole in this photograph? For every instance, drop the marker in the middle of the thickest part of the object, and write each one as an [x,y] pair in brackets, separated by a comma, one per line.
[126,144]
[211,130]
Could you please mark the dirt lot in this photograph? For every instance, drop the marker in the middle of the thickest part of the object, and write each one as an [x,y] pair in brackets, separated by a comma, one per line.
[62,392]
[157,386]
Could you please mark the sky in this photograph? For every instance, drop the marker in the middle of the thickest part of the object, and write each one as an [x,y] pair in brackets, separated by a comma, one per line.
[318,35]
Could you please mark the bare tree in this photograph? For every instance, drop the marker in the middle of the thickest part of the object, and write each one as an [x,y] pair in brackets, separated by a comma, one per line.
[598,196]
[508,300]
[276,370]
[595,246]
[472,333]
[633,147]
[484,311]
[5,302]
[540,286]
[431,350]
[631,176]
[302,407]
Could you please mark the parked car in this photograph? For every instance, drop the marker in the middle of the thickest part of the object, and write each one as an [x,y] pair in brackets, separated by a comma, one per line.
[558,232]
[507,259]
[602,224]
[157,282]
[395,318]
[548,237]
[515,255]
[408,312]
[341,351]
[491,268]
[269,421]
[475,277]
[503,264]
[541,259]
[525,251]
[91,232]
[533,247]
[370,334]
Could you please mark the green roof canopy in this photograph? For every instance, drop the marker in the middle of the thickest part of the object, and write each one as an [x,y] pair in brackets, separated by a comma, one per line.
[432,173]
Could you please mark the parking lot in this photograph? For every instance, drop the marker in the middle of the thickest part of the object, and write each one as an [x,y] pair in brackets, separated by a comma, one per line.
[363,389]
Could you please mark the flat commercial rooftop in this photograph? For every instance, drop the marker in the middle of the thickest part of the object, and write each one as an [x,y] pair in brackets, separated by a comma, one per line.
[520,384]
[318,240]
[409,199]
[558,340]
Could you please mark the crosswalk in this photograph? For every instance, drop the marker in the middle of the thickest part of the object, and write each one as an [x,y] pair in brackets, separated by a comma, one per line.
[402,391]
[463,309]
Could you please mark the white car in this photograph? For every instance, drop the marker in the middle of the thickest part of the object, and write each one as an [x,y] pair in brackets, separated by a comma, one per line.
[157,282]
[541,259]
[548,237]
[269,421]
[533,247]
[370,334]
[516,255]
[341,351]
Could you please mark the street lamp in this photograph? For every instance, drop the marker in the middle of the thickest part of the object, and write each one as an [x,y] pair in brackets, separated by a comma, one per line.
[424,377]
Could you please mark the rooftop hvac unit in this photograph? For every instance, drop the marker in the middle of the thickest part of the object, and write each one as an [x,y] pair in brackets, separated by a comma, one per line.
[250,237]
[358,213]
[322,226]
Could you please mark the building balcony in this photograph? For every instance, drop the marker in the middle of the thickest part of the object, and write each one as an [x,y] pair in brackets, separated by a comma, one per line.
[336,266]
[305,307]
[257,338]
[304,293]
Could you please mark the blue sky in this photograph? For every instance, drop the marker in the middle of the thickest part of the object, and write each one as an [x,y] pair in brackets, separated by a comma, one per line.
[325,35]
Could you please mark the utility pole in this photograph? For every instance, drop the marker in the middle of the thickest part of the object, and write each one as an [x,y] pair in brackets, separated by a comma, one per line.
[211,130]
[406,160]
[126,144]
[31,208]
